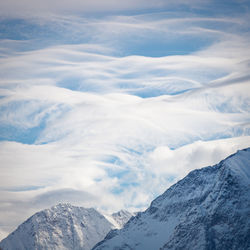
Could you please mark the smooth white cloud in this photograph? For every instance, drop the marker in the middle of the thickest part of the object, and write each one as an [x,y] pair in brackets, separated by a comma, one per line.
[180,161]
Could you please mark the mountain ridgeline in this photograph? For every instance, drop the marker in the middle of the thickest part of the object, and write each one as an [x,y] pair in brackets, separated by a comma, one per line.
[208,209]
[63,227]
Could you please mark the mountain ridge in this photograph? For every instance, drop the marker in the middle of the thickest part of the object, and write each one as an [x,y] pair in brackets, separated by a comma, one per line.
[208,209]
[62,226]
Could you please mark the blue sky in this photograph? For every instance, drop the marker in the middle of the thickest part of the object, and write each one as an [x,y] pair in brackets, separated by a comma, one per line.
[106,104]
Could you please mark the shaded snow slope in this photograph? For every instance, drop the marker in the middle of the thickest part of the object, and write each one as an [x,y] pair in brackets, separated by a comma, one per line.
[62,227]
[122,217]
[208,209]
[119,219]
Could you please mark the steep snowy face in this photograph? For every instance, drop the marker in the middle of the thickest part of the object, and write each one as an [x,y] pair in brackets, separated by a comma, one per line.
[62,227]
[122,217]
[119,219]
[208,209]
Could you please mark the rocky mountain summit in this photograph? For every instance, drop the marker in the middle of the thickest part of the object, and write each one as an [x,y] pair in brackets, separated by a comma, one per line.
[208,209]
[61,227]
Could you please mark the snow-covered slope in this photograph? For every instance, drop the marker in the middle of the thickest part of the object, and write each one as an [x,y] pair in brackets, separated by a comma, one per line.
[208,209]
[122,217]
[119,219]
[62,227]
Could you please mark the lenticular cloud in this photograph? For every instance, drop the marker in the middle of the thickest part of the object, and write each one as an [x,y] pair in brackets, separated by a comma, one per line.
[98,116]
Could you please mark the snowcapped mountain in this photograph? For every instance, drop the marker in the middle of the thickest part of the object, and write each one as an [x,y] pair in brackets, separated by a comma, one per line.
[119,219]
[208,209]
[62,227]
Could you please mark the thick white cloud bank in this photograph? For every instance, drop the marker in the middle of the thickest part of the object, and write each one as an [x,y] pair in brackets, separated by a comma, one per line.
[110,111]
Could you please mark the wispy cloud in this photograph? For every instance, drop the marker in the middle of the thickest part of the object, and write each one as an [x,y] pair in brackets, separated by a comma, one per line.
[90,6]
[99,110]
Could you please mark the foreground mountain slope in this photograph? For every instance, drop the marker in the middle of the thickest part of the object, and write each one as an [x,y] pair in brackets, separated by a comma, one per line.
[62,227]
[208,209]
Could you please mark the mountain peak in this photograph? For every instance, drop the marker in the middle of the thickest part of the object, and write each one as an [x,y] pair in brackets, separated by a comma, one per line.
[239,164]
[208,209]
[121,217]
[63,226]
[62,205]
